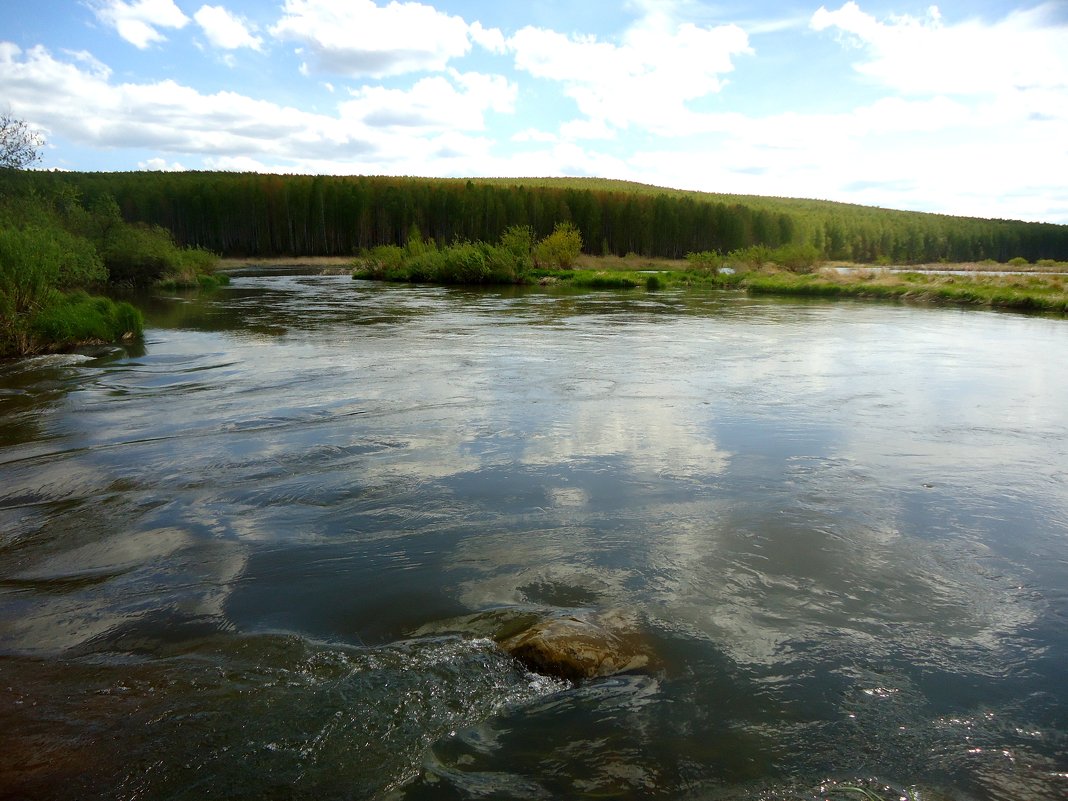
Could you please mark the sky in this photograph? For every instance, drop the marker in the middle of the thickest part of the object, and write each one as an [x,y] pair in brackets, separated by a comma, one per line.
[959,108]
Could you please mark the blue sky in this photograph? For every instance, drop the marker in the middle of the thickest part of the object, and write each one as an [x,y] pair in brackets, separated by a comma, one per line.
[959,108]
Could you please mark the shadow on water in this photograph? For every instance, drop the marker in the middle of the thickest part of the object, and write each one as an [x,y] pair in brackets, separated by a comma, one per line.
[231,563]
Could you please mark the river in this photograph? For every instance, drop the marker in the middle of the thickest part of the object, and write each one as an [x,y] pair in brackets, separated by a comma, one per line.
[226,555]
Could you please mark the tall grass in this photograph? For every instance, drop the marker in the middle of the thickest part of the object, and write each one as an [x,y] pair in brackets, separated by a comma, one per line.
[78,319]
[1026,293]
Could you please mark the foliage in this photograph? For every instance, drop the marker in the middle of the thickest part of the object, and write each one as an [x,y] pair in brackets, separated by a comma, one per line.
[752,257]
[36,261]
[797,258]
[707,260]
[298,215]
[519,241]
[20,144]
[508,262]
[54,245]
[31,259]
[140,254]
[79,318]
[560,248]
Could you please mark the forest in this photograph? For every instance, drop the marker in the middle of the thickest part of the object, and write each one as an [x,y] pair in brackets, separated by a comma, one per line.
[262,215]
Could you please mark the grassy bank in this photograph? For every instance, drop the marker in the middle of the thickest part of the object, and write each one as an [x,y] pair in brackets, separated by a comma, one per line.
[323,262]
[1031,292]
[56,247]
[65,321]
[962,285]
[78,318]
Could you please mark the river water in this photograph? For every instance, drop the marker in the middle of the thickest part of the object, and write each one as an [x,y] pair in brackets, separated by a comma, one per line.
[226,556]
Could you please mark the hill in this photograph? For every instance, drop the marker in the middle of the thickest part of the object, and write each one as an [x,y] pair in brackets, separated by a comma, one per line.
[251,214]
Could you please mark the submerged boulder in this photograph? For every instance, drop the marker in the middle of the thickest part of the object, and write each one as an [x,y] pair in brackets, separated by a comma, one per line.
[573,648]
[572,644]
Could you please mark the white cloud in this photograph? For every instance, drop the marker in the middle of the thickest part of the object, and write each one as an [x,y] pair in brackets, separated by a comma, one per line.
[458,102]
[534,135]
[138,22]
[163,115]
[237,164]
[644,82]
[933,154]
[160,165]
[360,38]
[226,31]
[970,105]
[488,38]
[227,130]
[928,56]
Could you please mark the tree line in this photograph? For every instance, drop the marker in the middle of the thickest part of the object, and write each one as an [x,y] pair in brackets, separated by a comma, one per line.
[261,215]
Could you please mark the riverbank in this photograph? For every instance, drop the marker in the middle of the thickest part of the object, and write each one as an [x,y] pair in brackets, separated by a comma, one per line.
[230,264]
[1024,292]
[635,263]
[965,284]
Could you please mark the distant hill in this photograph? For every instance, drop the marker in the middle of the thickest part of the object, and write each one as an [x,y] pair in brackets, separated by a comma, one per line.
[251,214]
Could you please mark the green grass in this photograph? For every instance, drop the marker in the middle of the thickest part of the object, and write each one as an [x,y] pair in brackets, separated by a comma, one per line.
[602,279]
[80,319]
[200,281]
[1025,293]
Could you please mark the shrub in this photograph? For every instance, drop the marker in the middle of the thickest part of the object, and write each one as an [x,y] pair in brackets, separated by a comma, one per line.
[796,258]
[78,318]
[707,260]
[139,255]
[30,262]
[1018,261]
[752,257]
[380,262]
[36,261]
[560,248]
[519,242]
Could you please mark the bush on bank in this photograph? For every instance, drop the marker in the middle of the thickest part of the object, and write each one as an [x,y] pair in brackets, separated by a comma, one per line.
[513,259]
[54,247]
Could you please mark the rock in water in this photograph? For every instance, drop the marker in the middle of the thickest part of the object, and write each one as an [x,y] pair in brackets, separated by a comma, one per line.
[571,644]
[573,648]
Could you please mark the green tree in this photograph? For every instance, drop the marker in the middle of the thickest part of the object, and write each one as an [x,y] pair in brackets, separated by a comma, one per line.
[20,144]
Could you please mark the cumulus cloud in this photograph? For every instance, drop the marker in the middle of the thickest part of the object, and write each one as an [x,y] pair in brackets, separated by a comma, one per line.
[927,55]
[458,102]
[160,165]
[138,22]
[360,38]
[228,130]
[958,93]
[163,115]
[225,30]
[644,81]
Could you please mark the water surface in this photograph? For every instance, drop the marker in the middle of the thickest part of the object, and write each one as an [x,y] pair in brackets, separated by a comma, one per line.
[842,527]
